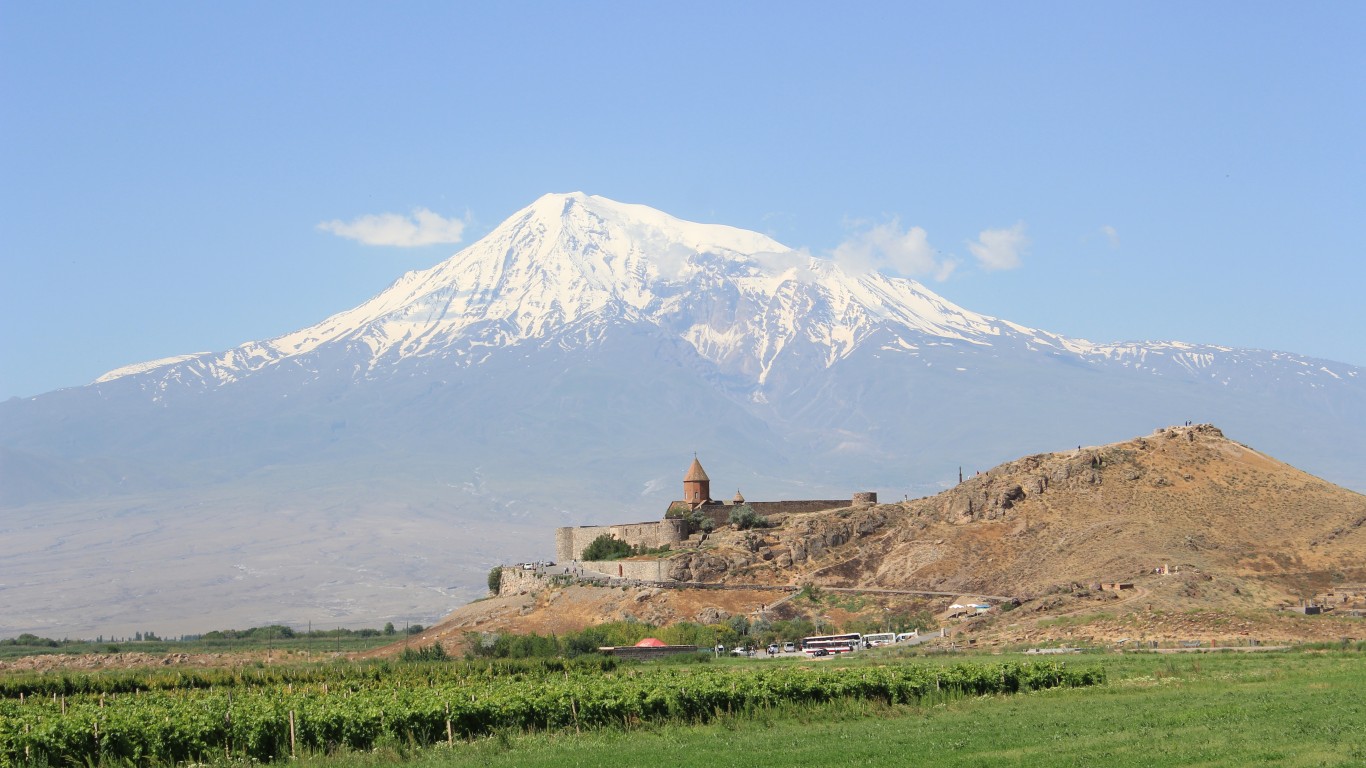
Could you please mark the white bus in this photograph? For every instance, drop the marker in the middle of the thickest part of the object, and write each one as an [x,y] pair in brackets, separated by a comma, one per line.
[881,638]
[847,643]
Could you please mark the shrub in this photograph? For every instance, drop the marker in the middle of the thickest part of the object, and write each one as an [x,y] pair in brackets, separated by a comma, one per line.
[495,579]
[744,517]
[606,547]
[433,652]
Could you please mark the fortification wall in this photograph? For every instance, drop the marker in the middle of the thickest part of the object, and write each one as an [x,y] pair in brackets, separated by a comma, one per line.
[564,545]
[767,508]
[719,514]
[645,570]
[516,581]
[570,542]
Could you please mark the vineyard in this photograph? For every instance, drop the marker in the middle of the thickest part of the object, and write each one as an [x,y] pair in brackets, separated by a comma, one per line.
[267,715]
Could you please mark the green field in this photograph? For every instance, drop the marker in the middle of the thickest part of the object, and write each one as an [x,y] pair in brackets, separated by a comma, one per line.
[1300,708]
[1281,709]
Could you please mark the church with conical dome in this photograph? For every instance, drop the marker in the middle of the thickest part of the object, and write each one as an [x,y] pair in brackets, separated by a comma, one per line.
[696,484]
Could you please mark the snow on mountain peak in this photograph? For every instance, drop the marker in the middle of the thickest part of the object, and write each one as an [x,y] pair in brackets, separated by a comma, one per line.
[739,297]
[570,265]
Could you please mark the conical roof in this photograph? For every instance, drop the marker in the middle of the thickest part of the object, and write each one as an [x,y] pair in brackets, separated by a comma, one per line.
[651,642]
[696,473]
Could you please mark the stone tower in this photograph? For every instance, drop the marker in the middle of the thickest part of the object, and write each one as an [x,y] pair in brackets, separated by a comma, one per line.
[696,484]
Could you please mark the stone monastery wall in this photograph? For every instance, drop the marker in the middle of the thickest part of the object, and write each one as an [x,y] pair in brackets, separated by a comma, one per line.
[570,542]
[516,581]
[640,570]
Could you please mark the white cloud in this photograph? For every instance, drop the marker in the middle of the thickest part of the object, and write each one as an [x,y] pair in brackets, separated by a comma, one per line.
[422,228]
[1111,234]
[886,247]
[1000,248]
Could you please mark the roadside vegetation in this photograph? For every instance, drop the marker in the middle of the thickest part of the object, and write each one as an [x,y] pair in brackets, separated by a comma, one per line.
[735,631]
[266,638]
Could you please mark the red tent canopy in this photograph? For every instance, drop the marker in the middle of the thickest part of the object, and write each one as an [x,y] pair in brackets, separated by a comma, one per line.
[651,642]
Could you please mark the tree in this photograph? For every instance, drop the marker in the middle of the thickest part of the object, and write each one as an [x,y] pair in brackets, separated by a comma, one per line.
[495,579]
[698,520]
[388,627]
[606,547]
[743,516]
[739,623]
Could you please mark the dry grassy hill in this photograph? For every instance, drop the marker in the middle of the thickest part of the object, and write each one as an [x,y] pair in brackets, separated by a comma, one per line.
[1186,497]
[1239,534]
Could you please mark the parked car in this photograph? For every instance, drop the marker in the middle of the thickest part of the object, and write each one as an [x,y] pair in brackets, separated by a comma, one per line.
[772,648]
[820,652]
[789,647]
[743,651]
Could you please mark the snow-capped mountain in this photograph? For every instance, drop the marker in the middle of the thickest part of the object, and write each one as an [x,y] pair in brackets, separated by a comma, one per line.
[569,266]
[559,371]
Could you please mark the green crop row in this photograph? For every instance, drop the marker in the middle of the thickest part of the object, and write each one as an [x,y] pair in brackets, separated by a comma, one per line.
[265,723]
[14,686]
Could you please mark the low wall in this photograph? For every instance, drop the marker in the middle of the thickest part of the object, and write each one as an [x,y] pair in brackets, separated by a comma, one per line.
[516,581]
[644,570]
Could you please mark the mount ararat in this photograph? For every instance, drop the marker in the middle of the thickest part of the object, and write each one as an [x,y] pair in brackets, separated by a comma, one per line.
[560,371]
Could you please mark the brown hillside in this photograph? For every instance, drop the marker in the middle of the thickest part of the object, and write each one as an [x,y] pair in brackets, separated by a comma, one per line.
[1186,497]
[1239,532]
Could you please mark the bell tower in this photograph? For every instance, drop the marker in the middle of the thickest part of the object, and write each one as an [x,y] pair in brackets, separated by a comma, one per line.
[696,484]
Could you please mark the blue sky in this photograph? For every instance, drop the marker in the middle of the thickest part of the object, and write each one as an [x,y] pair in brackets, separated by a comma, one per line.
[1158,171]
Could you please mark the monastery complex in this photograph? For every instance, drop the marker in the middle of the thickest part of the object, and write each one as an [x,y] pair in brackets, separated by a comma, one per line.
[673,529]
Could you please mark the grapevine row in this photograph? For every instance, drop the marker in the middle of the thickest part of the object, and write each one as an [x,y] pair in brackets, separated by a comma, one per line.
[265,724]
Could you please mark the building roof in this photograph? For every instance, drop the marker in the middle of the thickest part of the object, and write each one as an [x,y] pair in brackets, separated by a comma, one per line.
[696,473]
[651,642]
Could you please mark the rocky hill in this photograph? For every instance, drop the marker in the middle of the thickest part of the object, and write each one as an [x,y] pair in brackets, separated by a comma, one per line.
[1184,497]
[1212,536]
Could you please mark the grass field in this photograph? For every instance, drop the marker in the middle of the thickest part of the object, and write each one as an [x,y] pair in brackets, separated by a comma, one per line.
[1282,709]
